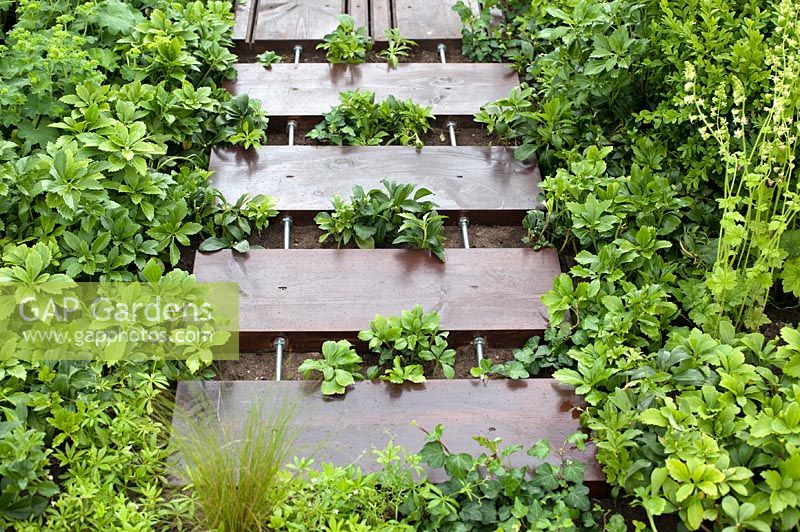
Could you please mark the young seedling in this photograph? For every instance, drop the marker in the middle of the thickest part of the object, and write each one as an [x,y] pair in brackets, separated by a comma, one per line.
[398,373]
[426,232]
[340,366]
[269,58]
[346,44]
[397,47]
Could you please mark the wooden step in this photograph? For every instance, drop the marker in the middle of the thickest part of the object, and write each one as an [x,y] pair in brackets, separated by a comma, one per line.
[311,89]
[243,15]
[428,22]
[312,295]
[345,429]
[280,25]
[486,184]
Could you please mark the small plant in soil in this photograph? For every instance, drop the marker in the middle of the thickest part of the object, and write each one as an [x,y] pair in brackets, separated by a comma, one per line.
[530,360]
[346,44]
[231,224]
[425,232]
[269,58]
[339,364]
[413,337]
[359,121]
[400,373]
[397,47]
[400,214]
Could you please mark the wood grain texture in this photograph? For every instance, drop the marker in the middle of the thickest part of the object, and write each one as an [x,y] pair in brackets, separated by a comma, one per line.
[345,429]
[359,10]
[337,292]
[242,20]
[296,20]
[311,89]
[484,183]
[419,20]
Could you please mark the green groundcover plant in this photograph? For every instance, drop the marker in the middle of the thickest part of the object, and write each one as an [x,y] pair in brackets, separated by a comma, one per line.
[359,121]
[109,110]
[400,214]
[667,132]
[406,345]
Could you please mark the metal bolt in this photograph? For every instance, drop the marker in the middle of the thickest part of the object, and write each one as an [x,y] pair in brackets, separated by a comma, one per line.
[280,344]
[479,342]
[287,231]
[291,125]
[441,48]
[297,51]
[451,128]
[463,222]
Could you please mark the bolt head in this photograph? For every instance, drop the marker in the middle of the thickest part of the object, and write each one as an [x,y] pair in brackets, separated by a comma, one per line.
[442,47]
[280,341]
[479,341]
[463,221]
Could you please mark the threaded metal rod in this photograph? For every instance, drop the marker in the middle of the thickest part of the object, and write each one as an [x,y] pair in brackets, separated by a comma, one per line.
[297,51]
[291,125]
[441,48]
[451,129]
[287,232]
[463,223]
[479,343]
[280,344]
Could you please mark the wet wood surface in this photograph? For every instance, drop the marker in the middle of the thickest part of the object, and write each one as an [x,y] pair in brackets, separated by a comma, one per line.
[486,184]
[317,293]
[311,89]
[345,429]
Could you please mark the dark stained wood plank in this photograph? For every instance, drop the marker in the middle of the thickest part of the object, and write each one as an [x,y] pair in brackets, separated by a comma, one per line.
[420,20]
[242,20]
[296,20]
[307,294]
[484,183]
[345,429]
[311,89]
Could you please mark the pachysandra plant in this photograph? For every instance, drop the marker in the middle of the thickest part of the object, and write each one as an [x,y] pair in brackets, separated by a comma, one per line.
[269,58]
[359,121]
[413,338]
[346,44]
[399,214]
[339,366]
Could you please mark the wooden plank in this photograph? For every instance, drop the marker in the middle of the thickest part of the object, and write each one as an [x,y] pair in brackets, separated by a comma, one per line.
[419,20]
[308,294]
[311,89]
[484,183]
[345,429]
[296,20]
[242,20]
[381,18]
[359,10]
